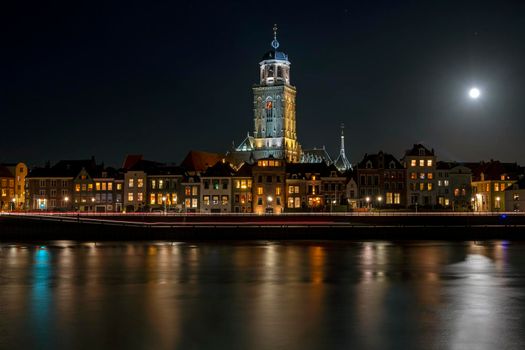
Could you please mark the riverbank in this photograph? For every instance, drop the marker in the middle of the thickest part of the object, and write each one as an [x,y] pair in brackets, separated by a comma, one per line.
[199,227]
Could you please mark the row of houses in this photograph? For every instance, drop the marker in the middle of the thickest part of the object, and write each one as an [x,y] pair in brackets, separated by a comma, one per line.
[214,183]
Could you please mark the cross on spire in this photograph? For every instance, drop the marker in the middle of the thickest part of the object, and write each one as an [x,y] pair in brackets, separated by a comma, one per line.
[275,43]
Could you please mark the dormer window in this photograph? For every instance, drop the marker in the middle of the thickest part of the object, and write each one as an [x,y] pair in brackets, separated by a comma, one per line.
[369,165]
[392,165]
[421,152]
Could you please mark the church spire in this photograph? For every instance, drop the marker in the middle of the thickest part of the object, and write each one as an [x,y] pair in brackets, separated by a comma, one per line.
[342,162]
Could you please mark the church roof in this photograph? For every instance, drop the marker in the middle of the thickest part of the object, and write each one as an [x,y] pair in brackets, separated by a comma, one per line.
[379,161]
[316,155]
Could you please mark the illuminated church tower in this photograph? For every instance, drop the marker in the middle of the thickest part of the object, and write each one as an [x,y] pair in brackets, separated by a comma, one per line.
[274,131]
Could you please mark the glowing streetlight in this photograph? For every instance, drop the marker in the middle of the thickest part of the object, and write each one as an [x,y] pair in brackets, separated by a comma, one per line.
[164,202]
[474,93]
[367,199]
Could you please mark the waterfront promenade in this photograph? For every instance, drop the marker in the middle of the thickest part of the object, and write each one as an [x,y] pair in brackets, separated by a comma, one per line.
[389,225]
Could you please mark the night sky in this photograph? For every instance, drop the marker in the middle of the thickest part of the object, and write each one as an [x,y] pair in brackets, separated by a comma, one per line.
[110,79]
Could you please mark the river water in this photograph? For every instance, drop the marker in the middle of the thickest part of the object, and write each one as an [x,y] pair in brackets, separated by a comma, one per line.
[263,295]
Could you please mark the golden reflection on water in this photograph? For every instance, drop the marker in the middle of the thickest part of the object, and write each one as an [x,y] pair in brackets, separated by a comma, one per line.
[257,296]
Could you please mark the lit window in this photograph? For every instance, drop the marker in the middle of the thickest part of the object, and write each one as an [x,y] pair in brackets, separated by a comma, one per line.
[421,162]
[194,203]
[413,162]
[297,202]
[429,186]
[84,187]
[516,196]
[97,186]
[447,202]
[206,200]
[130,197]
[259,190]
[290,189]
[152,198]
[290,202]
[90,187]
[187,202]
[296,189]
[159,198]
[440,183]
[422,176]
[77,188]
[445,182]
[224,200]
[496,187]
[215,200]
[397,198]
[421,186]
[456,192]
[161,184]
[187,191]
[249,183]
[195,190]
[277,191]
[140,183]
[153,184]
[119,187]
[139,197]
[130,183]
[389,198]
[103,186]
[430,176]
[413,176]
[429,162]
[502,187]
[110,186]
[237,184]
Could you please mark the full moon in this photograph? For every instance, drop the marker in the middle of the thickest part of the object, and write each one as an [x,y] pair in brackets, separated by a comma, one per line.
[474,93]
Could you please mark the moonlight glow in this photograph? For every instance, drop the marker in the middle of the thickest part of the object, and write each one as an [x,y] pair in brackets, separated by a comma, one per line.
[474,93]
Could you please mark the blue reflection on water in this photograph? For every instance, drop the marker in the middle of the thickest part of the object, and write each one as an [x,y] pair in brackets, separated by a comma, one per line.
[41,296]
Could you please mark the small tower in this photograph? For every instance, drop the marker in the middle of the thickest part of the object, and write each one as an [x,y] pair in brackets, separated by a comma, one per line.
[342,163]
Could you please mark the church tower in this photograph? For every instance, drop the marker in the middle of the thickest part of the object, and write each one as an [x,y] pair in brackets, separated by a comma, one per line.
[274,108]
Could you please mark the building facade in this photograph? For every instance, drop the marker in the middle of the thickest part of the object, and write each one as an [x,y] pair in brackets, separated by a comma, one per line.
[381,180]
[269,179]
[420,164]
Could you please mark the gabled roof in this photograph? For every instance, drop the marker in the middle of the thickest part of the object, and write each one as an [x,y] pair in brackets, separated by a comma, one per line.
[493,170]
[246,145]
[4,172]
[419,150]
[301,169]
[198,161]
[520,185]
[66,168]
[379,161]
[244,171]
[131,160]
[220,169]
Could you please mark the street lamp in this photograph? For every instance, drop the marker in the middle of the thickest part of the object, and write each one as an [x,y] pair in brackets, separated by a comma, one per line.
[164,202]
[14,204]
[93,204]
[269,200]
[379,200]
[367,202]
[498,202]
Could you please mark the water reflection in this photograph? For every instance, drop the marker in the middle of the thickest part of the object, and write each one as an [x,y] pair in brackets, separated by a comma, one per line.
[263,295]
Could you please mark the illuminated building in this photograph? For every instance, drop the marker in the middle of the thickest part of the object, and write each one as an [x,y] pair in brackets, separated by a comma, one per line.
[453,186]
[269,176]
[381,178]
[12,186]
[216,188]
[420,163]
[489,183]
[314,187]
[275,131]
[515,196]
